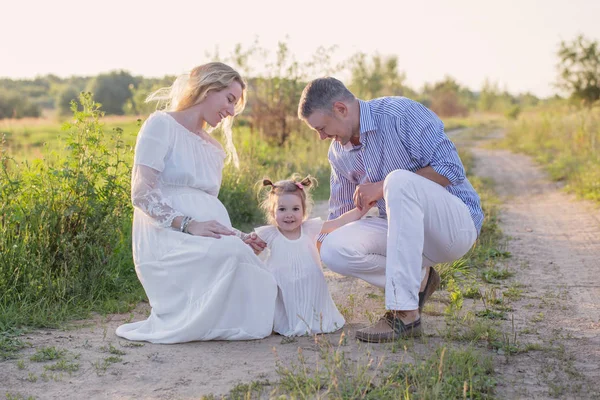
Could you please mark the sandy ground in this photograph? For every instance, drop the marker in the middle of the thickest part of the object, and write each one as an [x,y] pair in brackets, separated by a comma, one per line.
[555,243]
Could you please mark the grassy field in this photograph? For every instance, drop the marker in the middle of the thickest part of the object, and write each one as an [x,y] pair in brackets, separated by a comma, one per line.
[30,138]
[566,141]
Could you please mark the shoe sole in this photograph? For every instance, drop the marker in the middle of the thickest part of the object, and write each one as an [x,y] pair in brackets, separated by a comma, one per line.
[414,332]
[433,283]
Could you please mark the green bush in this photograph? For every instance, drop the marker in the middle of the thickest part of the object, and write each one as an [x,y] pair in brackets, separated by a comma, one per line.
[66,228]
[15,105]
[512,112]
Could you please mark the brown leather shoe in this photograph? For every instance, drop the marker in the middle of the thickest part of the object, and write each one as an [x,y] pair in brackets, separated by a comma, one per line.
[433,282]
[388,329]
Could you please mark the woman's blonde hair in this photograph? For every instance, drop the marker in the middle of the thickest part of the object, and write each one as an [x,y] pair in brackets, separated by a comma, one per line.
[191,88]
[293,185]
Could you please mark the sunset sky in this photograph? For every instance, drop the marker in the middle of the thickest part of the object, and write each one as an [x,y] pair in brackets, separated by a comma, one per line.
[513,43]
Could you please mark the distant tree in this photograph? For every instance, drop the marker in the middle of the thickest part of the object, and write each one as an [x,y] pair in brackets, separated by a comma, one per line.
[376,77]
[488,96]
[137,105]
[492,99]
[112,90]
[528,100]
[579,69]
[35,91]
[64,98]
[272,107]
[15,105]
[447,98]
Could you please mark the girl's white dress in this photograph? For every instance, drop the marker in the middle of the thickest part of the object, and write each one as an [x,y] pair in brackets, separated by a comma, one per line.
[200,288]
[304,304]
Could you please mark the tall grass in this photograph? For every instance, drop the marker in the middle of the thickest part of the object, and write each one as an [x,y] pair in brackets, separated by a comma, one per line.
[475,120]
[490,244]
[566,142]
[65,218]
[65,236]
[446,373]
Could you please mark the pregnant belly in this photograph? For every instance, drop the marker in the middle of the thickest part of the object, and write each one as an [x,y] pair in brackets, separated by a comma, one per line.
[199,205]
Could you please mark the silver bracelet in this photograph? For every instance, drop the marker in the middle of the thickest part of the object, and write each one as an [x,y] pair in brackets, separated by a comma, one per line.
[184,224]
[187,224]
[241,234]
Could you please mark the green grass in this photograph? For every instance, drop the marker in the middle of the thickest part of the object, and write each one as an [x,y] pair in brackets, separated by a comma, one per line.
[514,292]
[102,365]
[492,275]
[445,373]
[30,139]
[491,314]
[476,120]
[18,396]
[48,354]
[566,142]
[63,365]
[10,344]
[490,246]
[112,350]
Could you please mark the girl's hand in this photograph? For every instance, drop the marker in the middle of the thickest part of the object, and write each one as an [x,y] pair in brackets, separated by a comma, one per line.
[361,213]
[257,244]
[366,194]
[208,229]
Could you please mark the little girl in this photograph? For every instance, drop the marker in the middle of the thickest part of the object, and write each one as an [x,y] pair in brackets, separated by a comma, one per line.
[304,305]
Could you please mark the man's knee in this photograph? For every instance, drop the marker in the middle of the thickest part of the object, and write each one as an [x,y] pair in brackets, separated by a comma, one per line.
[398,178]
[332,253]
[399,183]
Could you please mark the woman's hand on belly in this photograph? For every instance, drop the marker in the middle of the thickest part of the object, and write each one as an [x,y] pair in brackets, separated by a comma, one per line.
[209,229]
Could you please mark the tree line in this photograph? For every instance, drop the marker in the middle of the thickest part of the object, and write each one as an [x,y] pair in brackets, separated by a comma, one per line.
[276,84]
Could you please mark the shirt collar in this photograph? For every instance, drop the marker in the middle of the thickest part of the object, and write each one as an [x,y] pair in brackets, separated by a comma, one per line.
[367,123]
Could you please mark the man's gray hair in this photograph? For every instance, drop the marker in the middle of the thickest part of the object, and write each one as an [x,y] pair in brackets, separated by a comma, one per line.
[320,94]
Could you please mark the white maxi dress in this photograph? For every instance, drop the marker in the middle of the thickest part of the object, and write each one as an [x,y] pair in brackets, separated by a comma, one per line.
[200,288]
[304,304]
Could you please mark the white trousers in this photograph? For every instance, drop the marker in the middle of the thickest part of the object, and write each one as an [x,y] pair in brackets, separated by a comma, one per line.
[425,225]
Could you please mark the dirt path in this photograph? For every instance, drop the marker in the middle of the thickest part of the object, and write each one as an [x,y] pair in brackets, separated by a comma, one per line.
[556,255]
[555,246]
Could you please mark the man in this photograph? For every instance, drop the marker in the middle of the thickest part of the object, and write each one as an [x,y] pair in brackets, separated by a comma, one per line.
[392,153]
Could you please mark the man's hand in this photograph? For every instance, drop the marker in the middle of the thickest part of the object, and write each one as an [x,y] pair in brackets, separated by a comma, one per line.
[257,244]
[367,194]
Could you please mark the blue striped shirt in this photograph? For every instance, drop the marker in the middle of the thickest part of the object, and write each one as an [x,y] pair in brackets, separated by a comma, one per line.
[396,133]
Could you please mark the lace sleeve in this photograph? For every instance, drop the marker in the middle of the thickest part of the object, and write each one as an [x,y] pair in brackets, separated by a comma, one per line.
[147,196]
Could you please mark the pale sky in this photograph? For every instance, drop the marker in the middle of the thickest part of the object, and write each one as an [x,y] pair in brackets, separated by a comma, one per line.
[513,43]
